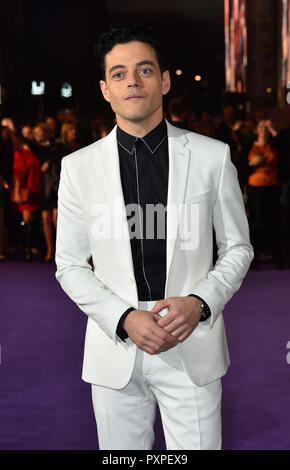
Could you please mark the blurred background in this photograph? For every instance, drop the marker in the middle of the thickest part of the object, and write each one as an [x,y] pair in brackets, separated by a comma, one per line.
[230,69]
[229,62]
[239,49]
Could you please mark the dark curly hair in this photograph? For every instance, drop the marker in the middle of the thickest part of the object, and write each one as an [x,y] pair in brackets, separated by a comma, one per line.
[122,35]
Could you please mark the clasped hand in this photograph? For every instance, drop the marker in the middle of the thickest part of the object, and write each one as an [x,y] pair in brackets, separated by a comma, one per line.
[153,333]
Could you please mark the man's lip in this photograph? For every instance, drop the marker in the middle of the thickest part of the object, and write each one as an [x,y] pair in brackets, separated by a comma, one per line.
[132,97]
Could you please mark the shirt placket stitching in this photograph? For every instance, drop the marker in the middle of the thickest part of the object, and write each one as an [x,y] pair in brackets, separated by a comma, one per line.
[139,205]
[140,223]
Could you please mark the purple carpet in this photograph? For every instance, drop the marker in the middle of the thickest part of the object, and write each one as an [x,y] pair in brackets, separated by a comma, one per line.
[45,405]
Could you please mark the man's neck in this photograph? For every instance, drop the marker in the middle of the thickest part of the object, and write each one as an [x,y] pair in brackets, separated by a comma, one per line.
[139,128]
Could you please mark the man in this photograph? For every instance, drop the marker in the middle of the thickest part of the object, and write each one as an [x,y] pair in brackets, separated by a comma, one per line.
[155,331]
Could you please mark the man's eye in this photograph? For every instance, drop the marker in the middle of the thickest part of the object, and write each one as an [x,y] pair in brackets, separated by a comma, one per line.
[145,71]
[118,75]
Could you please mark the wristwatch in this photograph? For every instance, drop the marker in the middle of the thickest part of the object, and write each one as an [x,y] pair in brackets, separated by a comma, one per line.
[204,312]
[204,308]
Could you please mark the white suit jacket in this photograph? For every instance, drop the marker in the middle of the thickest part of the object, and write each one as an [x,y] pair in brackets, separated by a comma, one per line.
[94,263]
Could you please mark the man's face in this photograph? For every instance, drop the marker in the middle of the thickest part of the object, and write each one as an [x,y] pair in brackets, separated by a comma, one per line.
[133,82]
[38,134]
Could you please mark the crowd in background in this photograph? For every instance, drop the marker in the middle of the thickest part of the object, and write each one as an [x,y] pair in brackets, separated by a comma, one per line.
[30,162]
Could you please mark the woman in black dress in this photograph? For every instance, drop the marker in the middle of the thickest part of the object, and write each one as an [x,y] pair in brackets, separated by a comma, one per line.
[47,153]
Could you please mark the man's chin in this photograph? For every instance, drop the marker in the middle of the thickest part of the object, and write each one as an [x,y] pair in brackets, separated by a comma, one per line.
[136,117]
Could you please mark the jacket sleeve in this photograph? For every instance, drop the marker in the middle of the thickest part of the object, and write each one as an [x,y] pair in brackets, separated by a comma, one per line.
[235,252]
[74,272]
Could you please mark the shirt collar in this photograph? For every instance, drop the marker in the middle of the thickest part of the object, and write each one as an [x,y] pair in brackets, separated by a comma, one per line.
[152,140]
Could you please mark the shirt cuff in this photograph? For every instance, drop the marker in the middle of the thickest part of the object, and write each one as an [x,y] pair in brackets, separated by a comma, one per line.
[120,330]
[206,307]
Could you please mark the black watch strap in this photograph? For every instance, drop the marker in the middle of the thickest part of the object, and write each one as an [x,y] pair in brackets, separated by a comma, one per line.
[205,312]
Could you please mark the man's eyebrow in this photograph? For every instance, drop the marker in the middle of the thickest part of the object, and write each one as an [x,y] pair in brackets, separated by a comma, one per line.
[143,62]
[116,67]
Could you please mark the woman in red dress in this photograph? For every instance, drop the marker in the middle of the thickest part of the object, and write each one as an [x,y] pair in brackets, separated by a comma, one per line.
[26,189]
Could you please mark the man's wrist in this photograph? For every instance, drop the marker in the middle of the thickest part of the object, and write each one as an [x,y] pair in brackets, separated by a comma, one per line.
[121,332]
[205,310]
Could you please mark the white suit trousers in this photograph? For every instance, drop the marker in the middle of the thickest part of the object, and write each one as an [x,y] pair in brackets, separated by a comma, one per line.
[191,415]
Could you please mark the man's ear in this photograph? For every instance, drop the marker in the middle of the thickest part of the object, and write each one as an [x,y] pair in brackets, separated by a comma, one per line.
[104,90]
[166,83]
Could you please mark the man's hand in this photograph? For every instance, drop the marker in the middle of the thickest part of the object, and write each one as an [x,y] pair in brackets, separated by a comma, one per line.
[182,317]
[142,328]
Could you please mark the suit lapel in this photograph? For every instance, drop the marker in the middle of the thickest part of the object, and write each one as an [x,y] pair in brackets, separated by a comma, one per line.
[177,181]
[116,199]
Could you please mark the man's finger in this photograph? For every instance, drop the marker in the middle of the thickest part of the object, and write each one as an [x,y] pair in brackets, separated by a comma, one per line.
[160,304]
[173,326]
[164,335]
[164,343]
[178,332]
[156,316]
[168,318]
[155,345]
[148,350]
[159,337]
[183,336]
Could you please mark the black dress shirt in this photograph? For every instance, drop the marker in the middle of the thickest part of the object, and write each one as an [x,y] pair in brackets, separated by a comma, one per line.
[144,166]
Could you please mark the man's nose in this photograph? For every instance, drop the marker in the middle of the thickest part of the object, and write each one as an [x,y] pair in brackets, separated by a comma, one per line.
[133,80]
